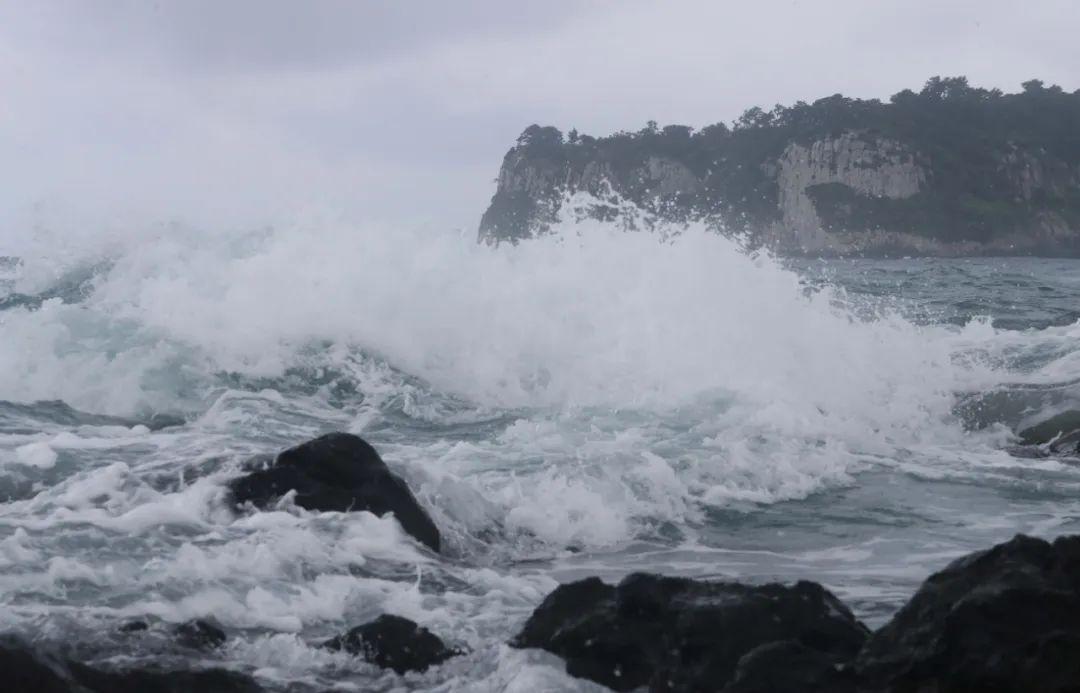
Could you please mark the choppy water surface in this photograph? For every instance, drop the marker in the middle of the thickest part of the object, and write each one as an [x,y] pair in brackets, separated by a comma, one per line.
[589,403]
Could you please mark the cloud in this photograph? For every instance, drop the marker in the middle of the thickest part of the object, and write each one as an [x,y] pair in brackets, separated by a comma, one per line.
[245,111]
[243,35]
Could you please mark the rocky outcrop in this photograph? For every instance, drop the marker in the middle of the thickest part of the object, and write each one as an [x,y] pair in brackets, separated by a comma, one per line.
[1060,434]
[28,669]
[949,171]
[675,634]
[1001,620]
[865,165]
[1005,619]
[393,642]
[199,635]
[788,665]
[196,634]
[1032,174]
[337,472]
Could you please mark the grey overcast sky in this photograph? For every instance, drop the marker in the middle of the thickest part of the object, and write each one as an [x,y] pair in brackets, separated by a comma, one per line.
[246,110]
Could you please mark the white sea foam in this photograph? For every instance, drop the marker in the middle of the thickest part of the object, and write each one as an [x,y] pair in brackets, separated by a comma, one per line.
[38,455]
[591,317]
[585,403]
[787,391]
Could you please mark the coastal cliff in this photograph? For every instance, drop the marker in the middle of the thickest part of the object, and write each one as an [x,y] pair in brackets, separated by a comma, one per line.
[949,170]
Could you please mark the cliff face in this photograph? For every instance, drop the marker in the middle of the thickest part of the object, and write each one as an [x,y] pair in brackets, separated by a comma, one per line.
[532,188]
[978,173]
[870,167]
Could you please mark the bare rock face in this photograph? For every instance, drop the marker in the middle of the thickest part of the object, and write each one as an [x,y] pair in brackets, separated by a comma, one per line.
[665,176]
[1031,175]
[953,170]
[532,190]
[869,166]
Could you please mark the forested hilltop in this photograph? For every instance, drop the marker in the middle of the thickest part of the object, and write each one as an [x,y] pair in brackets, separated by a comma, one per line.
[949,170]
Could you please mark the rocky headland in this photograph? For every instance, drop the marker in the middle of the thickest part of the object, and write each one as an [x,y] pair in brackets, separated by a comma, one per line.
[950,170]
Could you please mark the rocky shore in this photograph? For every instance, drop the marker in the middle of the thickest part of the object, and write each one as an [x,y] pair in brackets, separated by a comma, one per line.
[1003,619]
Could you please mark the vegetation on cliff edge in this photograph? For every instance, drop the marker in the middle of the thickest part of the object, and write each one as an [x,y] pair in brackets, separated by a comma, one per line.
[974,143]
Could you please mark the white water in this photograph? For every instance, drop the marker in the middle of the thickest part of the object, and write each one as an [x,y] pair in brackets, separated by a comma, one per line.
[590,401]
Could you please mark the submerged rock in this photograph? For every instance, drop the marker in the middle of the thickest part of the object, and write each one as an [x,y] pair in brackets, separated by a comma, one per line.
[27,669]
[338,472]
[677,634]
[395,643]
[134,626]
[1005,619]
[196,634]
[199,635]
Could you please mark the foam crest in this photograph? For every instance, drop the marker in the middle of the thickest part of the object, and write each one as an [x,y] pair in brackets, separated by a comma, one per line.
[647,373]
[587,316]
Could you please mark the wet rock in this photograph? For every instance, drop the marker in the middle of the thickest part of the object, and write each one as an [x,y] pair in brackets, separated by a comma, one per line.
[338,472]
[196,634]
[199,635]
[163,681]
[1005,619]
[393,642]
[1061,433]
[677,634]
[28,669]
[158,422]
[134,627]
[791,666]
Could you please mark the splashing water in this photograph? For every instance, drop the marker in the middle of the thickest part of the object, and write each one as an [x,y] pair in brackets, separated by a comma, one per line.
[590,402]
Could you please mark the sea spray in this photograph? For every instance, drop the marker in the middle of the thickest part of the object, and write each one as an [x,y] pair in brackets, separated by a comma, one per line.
[589,402]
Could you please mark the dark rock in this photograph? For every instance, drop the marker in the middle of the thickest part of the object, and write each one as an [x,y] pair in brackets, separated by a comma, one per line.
[164,681]
[677,634]
[24,669]
[838,176]
[28,669]
[395,643]
[1005,619]
[158,422]
[1061,433]
[134,627]
[199,635]
[338,472]
[790,666]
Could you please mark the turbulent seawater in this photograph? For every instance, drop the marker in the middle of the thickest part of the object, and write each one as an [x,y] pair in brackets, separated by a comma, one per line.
[593,402]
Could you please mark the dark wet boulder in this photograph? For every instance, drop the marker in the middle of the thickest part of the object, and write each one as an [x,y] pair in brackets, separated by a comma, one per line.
[677,634]
[134,626]
[1004,619]
[1060,433]
[337,472]
[789,665]
[199,635]
[23,669]
[28,669]
[163,680]
[196,634]
[393,642]
[161,421]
